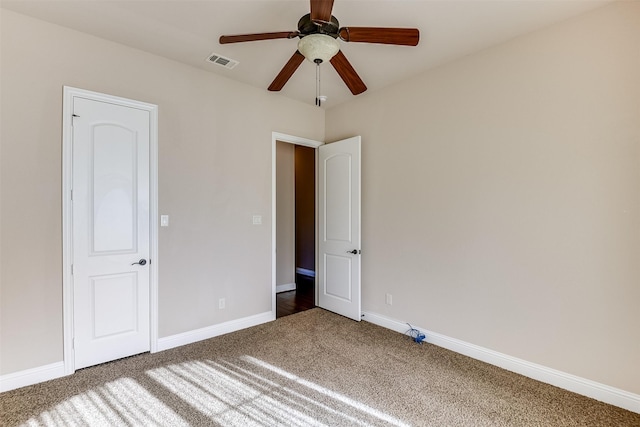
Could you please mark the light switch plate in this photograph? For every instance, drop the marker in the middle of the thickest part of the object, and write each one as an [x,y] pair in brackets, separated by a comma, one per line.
[257,219]
[164,220]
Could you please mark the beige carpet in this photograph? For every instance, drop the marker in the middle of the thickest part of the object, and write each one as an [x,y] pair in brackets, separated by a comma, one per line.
[310,369]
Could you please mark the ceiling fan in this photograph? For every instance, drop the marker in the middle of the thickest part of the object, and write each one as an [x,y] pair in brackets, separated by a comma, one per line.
[318,32]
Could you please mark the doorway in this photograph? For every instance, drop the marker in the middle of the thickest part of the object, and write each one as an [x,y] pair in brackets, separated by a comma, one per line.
[295,228]
[337,284]
[283,221]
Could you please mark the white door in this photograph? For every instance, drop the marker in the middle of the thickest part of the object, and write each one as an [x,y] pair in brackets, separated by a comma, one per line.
[339,227]
[110,231]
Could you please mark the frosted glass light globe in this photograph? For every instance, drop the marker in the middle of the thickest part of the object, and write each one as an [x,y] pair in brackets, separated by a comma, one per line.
[318,47]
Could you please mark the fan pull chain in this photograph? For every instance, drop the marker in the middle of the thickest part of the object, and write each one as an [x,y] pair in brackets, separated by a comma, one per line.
[318,61]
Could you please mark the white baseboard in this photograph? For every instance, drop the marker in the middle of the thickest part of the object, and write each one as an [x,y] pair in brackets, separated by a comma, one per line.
[57,370]
[305,272]
[31,376]
[285,287]
[585,387]
[213,331]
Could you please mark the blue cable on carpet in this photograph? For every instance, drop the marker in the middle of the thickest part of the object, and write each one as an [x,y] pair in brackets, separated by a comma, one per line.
[415,334]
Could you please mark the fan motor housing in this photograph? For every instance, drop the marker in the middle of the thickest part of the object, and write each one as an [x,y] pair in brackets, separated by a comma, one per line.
[306,26]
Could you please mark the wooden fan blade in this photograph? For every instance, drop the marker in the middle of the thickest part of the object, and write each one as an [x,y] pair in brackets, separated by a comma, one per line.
[321,10]
[348,74]
[287,71]
[398,36]
[259,36]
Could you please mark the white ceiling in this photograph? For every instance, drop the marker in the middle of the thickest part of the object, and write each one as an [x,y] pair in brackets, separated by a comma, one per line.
[188,31]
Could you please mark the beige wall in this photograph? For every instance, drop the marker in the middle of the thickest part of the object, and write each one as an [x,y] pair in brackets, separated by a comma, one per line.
[285,213]
[501,197]
[215,173]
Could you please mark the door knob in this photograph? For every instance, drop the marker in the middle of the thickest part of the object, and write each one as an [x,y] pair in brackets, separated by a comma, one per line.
[141,262]
[355,252]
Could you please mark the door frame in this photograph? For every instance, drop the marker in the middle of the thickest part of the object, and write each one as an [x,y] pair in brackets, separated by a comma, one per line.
[296,140]
[69,93]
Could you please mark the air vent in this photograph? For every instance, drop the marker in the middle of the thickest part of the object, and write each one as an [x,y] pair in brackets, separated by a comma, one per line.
[222,61]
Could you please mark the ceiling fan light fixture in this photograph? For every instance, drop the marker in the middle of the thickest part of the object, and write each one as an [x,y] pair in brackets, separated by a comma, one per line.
[318,32]
[318,47]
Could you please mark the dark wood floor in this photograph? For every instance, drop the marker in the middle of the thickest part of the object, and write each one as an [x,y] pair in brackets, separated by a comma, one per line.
[303,298]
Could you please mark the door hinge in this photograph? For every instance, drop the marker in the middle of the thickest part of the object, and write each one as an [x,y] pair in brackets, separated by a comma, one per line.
[72,195]
[73,116]
[72,269]
[73,343]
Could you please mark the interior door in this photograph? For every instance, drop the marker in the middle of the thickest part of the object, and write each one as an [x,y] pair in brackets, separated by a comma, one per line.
[339,227]
[110,231]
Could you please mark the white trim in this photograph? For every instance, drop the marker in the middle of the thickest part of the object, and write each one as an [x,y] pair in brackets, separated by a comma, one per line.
[277,136]
[56,370]
[305,272]
[154,263]
[32,376]
[213,331]
[67,225]
[317,225]
[67,236]
[285,288]
[296,140]
[583,386]
[294,237]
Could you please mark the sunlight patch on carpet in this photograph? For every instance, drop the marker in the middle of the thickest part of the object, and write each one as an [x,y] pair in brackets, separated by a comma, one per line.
[221,397]
[230,399]
[294,398]
[240,392]
[251,392]
[329,393]
[120,402]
